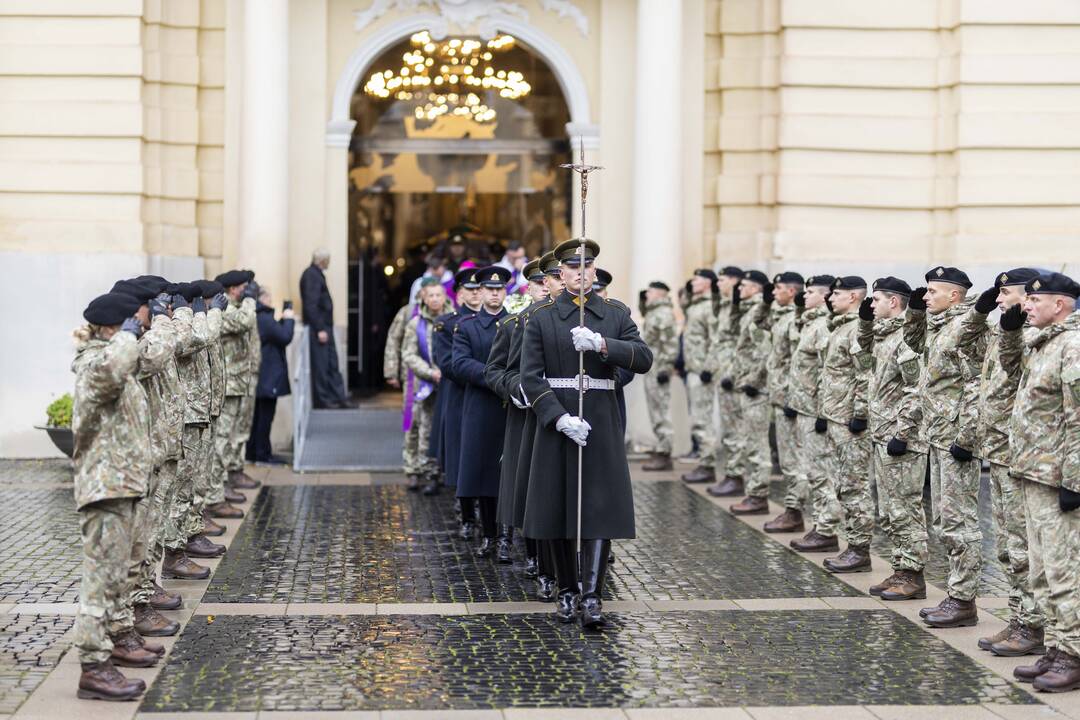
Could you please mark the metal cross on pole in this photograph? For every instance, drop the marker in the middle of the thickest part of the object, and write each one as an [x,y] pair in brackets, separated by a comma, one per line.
[582,169]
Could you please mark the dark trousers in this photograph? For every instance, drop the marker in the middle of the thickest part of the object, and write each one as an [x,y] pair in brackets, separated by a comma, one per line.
[258,446]
[327,385]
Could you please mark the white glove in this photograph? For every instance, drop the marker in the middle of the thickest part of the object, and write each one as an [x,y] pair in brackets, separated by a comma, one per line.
[574,428]
[523,401]
[586,339]
[517,403]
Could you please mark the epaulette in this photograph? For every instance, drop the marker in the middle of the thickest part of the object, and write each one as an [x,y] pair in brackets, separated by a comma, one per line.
[617,303]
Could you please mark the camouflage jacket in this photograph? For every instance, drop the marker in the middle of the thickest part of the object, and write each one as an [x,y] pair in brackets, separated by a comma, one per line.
[809,338]
[193,362]
[699,336]
[254,344]
[949,386]
[723,349]
[893,388]
[660,334]
[160,379]
[1044,431]
[236,323]
[110,421]
[410,349]
[781,320]
[844,375]
[394,339]
[752,344]
[217,362]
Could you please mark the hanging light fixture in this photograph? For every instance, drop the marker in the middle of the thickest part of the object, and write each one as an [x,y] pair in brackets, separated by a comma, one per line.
[451,76]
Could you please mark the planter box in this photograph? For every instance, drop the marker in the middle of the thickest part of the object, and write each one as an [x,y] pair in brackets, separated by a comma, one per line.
[62,438]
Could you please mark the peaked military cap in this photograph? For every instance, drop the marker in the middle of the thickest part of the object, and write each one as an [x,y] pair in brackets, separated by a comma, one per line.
[949,275]
[849,282]
[111,308]
[567,251]
[208,288]
[789,277]
[893,285]
[659,285]
[467,279]
[824,280]
[705,273]
[603,279]
[1016,276]
[756,276]
[532,270]
[136,290]
[549,264]
[731,271]
[189,291]
[493,276]
[1053,284]
[233,278]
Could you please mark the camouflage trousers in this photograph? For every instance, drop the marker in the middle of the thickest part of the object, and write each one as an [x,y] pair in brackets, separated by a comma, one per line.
[848,462]
[821,493]
[658,398]
[104,591]
[1011,544]
[702,417]
[787,449]
[192,466]
[729,436]
[162,497]
[753,454]
[900,506]
[954,496]
[247,419]
[228,446]
[414,453]
[1053,546]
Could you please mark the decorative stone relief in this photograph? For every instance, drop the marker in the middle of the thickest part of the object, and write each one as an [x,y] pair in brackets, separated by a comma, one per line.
[464,13]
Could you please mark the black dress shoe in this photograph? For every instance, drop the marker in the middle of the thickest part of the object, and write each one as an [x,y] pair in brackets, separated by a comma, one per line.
[467,531]
[504,551]
[487,546]
[546,588]
[432,487]
[532,568]
[566,608]
[591,616]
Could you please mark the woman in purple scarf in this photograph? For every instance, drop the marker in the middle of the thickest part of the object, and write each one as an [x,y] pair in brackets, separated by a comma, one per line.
[421,382]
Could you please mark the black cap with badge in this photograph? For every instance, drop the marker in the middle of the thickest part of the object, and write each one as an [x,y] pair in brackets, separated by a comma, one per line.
[756,276]
[1016,276]
[603,279]
[467,279]
[849,282]
[705,273]
[892,285]
[1053,284]
[568,252]
[822,280]
[952,275]
[658,285]
[790,278]
[732,272]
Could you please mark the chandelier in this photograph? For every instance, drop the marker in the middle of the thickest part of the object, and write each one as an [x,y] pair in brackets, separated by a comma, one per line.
[451,76]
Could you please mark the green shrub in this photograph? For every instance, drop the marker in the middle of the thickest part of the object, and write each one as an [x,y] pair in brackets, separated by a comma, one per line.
[59,411]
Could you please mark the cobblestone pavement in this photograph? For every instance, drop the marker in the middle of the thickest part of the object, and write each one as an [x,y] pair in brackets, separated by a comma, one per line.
[384,544]
[29,649]
[40,547]
[43,470]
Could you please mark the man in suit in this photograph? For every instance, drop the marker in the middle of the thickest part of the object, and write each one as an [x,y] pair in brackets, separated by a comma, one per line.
[327,385]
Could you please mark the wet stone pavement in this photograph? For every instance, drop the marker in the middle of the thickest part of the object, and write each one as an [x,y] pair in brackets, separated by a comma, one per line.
[40,546]
[30,646]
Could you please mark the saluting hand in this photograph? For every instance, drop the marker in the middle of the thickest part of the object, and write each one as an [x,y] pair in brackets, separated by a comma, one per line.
[587,340]
[132,325]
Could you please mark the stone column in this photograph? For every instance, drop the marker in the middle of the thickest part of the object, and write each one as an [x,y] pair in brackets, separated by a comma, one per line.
[657,209]
[264,145]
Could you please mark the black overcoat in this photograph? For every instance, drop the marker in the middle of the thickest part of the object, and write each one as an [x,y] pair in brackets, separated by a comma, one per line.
[274,337]
[496,373]
[453,393]
[548,352]
[440,354]
[482,410]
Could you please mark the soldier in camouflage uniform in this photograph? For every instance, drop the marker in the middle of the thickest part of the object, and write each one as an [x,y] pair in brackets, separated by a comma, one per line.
[729,437]
[393,372]
[1044,435]
[899,456]
[237,478]
[112,459]
[420,361]
[949,392]
[843,406]
[997,391]
[699,335]
[662,336]
[810,338]
[749,375]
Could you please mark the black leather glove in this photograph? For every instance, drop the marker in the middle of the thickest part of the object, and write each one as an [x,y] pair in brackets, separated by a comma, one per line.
[219,302]
[159,305]
[800,299]
[1067,499]
[706,376]
[896,447]
[662,378]
[179,301]
[750,391]
[917,300]
[961,455]
[767,293]
[198,305]
[1013,318]
[132,325]
[735,299]
[726,384]
[251,290]
[865,311]
[856,425]
[821,425]
[987,301]
[789,412]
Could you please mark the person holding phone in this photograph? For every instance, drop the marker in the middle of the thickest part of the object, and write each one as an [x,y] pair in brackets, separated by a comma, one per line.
[274,335]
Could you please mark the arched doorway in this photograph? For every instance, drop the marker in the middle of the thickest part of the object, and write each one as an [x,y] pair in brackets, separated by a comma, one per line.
[436,173]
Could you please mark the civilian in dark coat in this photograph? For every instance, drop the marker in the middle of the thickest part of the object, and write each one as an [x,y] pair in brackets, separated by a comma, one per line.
[481,438]
[274,337]
[327,385]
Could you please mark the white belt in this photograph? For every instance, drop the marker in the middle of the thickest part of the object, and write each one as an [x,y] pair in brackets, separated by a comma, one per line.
[591,383]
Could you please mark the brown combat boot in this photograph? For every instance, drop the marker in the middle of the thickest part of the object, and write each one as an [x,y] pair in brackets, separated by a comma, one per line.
[1023,640]
[700,474]
[242,481]
[855,559]
[658,462]
[1063,675]
[751,506]
[1027,673]
[102,681]
[128,651]
[232,496]
[200,546]
[953,613]
[814,541]
[788,521]
[211,528]
[162,599]
[150,623]
[224,511]
[730,486]
[178,566]
[927,610]
[885,584]
[910,586]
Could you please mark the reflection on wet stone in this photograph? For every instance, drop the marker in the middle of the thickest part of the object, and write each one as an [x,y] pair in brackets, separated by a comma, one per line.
[384,544]
[676,659]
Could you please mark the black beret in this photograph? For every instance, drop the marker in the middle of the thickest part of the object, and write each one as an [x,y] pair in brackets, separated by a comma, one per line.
[826,280]
[792,278]
[567,251]
[893,285]
[153,282]
[208,288]
[705,273]
[1053,284]
[111,309]
[189,291]
[467,279]
[234,277]
[659,285]
[136,290]
[948,275]
[731,271]
[250,275]
[1016,276]
[532,270]
[756,276]
[849,282]
[603,278]
[493,276]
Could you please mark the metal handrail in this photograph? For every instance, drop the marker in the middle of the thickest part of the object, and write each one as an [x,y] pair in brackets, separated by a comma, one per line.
[301,396]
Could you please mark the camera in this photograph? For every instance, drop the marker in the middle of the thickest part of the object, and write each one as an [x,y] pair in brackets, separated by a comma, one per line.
[287,305]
